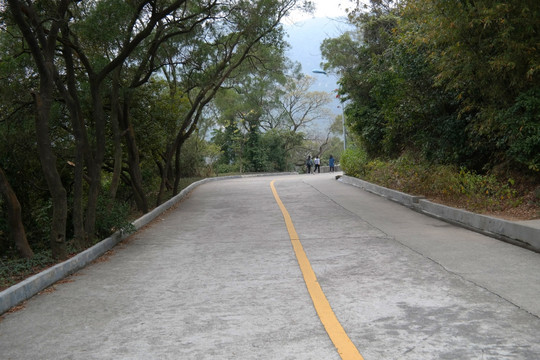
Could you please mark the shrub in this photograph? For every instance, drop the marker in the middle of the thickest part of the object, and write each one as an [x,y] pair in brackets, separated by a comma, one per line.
[522,130]
[482,190]
[353,162]
[227,168]
[14,269]
[111,216]
[449,183]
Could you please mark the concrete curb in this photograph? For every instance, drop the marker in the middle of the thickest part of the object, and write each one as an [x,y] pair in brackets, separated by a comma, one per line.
[26,289]
[513,232]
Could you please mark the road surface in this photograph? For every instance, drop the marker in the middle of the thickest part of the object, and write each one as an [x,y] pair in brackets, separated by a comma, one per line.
[218,278]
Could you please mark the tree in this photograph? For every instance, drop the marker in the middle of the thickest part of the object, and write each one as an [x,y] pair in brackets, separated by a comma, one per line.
[42,44]
[89,66]
[14,215]
[298,106]
[482,52]
[439,79]
[265,117]
[367,76]
[219,54]
[153,55]
[18,149]
[141,22]
[230,141]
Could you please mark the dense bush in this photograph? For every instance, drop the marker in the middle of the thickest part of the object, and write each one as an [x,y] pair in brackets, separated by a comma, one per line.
[448,183]
[112,216]
[455,82]
[521,130]
[353,162]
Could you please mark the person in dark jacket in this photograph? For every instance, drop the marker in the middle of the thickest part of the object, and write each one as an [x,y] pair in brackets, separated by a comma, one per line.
[309,164]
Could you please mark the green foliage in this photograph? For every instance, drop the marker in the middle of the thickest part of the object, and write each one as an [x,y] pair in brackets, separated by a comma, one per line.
[369,125]
[97,19]
[227,168]
[192,160]
[14,269]
[254,153]
[445,182]
[451,81]
[483,54]
[353,162]
[261,123]
[277,144]
[112,216]
[521,129]
[159,112]
[229,139]
[43,218]
[476,186]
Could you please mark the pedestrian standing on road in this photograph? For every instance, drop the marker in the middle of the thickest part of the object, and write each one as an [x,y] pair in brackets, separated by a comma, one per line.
[317,165]
[331,163]
[309,164]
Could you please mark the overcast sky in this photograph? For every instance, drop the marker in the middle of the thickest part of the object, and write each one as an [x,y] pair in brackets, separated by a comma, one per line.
[324,8]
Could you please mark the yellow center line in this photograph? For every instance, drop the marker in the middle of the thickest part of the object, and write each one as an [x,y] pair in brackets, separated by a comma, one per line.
[337,334]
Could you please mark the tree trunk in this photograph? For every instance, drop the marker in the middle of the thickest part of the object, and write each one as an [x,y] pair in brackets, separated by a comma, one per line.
[82,148]
[94,168]
[166,171]
[177,168]
[42,45]
[14,217]
[133,158]
[80,239]
[115,124]
[50,172]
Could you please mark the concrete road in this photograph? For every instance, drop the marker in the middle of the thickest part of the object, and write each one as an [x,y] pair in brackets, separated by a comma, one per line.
[217,278]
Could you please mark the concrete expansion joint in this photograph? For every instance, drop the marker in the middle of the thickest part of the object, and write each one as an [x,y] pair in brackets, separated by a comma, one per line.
[496,294]
[347,210]
[463,278]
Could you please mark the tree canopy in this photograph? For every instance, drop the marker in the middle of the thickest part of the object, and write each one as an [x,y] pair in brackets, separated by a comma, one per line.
[456,82]
[107,103]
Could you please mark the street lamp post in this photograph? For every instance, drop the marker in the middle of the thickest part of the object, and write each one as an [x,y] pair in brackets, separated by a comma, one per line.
[343,123]
[318,71]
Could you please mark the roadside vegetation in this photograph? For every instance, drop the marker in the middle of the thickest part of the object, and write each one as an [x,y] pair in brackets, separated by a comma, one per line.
[442,99]
[510,197]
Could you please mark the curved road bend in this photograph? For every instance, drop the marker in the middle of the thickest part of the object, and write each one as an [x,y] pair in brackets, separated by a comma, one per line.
[218,278]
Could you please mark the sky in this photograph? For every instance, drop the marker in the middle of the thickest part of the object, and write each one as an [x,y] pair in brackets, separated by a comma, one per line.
[306,33]
[323,8]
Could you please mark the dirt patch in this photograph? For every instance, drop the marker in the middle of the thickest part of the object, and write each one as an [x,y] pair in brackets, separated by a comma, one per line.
[526,211]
